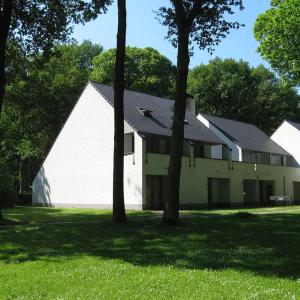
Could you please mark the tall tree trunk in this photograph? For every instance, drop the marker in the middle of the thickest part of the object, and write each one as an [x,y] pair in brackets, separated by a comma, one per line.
[5,20]
[21,175]
[119,214]
[1,216]
[171,209]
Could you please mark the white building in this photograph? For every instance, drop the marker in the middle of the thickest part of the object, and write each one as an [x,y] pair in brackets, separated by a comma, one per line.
[288,137]
[78,170]
[245,141]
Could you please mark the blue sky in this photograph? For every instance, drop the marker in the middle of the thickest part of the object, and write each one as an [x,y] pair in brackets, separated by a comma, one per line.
[144,30]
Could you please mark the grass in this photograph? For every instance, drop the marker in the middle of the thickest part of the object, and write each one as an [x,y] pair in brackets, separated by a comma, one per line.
[216,254]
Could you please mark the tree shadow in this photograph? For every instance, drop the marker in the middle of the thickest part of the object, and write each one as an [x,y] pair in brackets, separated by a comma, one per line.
[268,245]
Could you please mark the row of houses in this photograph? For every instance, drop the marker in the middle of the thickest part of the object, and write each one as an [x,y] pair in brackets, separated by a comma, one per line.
[224,163]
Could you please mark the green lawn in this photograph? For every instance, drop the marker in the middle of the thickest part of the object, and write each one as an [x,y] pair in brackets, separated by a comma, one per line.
[80,254]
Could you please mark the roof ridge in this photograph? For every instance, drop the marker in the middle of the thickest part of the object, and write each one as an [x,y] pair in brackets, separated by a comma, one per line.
[243,122]
[132,91]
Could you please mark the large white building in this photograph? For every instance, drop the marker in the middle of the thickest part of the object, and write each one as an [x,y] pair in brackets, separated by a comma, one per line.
[220,165]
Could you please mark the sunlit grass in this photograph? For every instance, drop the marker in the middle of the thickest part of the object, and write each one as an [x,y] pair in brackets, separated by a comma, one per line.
[81,254]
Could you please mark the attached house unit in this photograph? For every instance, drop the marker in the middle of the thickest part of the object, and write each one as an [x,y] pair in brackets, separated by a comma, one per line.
[78,170]
[246,142]
[288,137]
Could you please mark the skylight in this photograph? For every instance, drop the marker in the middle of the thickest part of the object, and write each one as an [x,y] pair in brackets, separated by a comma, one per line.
[145,112]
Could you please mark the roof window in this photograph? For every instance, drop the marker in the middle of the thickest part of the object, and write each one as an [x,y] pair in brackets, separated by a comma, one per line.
[145,112]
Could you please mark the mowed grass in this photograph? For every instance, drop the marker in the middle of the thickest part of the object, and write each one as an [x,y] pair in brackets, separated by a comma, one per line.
[80,254]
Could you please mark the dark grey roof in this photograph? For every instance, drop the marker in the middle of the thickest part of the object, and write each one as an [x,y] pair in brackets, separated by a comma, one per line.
[296,125]
[245,135]
[161,113]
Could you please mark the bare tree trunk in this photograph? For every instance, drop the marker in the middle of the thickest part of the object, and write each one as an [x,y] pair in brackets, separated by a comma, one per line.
[5,20]
[21,177]
[119,214]
[1,216]
[171,209]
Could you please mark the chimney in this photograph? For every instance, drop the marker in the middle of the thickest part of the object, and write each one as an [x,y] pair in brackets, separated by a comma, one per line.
[190,104]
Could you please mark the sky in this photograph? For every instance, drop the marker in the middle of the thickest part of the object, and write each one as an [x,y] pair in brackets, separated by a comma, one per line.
[144,30]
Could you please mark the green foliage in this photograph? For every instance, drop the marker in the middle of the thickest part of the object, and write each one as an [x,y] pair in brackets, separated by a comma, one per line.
[278,31]
[146,70]
[233,89]
[206,21]
[38,101]
[39,24]
[215,255]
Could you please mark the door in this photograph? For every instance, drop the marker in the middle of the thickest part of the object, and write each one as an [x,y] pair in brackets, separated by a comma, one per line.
[251,192]
[296,192]
[155,192]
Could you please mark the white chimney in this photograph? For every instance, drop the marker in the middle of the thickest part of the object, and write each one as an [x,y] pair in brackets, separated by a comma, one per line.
[190,104]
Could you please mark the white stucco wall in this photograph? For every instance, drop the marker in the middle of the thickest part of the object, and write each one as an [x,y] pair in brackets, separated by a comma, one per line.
[78,171]
[217,150]
[288,137]
[194,178]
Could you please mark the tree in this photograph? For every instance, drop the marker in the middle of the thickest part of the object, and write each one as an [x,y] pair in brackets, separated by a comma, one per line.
[40,93]
[278,32]
[39,24]
[146,70]
[223,88]
[119,214]
[232,89]
[202,22]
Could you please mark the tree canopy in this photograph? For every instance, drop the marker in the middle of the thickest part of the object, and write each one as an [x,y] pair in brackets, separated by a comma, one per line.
[146,70]
[233,89]
[41,92]
[278,32]
[40,24]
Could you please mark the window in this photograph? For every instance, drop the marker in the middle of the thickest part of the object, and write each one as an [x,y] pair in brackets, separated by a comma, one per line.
[256,157]
[263,158]
[199,150]
[128,143]
[226,153]
[249,156]
[145,112]
[155,144]
[276,160]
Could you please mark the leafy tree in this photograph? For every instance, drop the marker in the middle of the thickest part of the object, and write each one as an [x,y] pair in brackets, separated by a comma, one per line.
[37,103]
[119,214]
[274,101]
[233,89]
[278,31]
[146,70]
[40,24]
[204,23]
[223,88]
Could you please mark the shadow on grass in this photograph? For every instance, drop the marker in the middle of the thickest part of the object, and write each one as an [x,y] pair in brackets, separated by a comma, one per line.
[266,244]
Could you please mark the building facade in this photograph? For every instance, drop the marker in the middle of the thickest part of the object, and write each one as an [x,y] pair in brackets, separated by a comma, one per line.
[78,170]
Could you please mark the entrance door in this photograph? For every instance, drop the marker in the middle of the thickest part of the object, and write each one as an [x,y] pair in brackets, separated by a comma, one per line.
[296,192]
[218,192]
[251,193]
[155,192]
[266,190]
